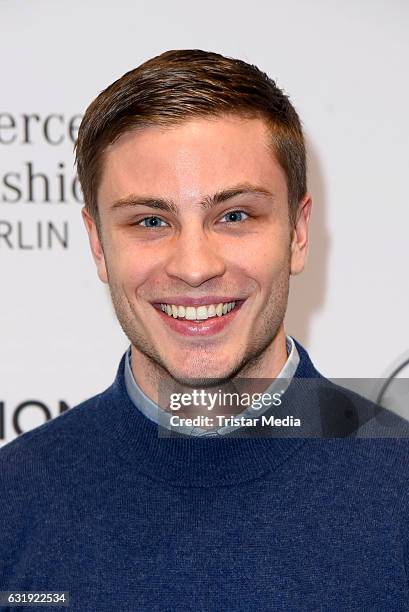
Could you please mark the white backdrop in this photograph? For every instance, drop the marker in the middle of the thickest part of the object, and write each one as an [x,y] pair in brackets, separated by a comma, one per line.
[344,65]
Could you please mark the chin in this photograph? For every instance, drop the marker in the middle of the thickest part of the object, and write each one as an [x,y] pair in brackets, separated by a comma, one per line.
[195,377]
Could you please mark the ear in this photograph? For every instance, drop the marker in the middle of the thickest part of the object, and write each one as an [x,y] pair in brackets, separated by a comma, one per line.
[95,244]
[299,242]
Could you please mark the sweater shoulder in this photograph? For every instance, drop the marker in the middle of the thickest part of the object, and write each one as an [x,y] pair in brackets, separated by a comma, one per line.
[364,434]
[367,419]
[62,438]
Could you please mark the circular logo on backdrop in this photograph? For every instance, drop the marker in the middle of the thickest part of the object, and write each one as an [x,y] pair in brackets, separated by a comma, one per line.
[391,391]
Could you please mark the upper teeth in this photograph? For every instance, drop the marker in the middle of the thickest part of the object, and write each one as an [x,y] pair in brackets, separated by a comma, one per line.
[200,313]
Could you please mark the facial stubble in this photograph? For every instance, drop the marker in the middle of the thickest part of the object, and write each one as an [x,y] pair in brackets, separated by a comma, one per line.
[247,366]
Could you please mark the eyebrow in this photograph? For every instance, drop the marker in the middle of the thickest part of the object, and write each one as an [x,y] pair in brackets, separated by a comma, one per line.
[206,203]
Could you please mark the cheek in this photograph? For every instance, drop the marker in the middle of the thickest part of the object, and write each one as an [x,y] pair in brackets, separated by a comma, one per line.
[124,268]
[124,264]
[134,273]
[265,260]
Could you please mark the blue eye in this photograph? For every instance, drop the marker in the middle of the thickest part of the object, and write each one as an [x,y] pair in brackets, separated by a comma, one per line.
[152,222]
[234,215]
[231,217]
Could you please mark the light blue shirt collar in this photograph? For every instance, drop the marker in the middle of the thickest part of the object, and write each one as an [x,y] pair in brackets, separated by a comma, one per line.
[159,416]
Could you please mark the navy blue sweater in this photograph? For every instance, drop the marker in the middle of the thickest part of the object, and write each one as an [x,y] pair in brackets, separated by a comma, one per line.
[96,504]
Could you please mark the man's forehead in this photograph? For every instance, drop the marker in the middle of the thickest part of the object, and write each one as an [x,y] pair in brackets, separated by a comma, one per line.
[193,160]
[194,137]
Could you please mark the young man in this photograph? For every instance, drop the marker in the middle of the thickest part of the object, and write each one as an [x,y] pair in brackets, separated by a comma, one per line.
[196,206]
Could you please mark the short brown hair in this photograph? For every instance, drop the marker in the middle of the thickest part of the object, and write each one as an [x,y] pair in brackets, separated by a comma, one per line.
[182,84]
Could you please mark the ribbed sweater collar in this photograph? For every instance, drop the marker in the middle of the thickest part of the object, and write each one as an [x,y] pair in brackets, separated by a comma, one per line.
[191,461]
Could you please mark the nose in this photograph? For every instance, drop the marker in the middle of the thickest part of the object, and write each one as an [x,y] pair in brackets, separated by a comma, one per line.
[195,258]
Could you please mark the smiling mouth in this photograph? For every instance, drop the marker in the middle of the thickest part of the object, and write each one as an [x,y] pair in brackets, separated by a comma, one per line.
[198,314]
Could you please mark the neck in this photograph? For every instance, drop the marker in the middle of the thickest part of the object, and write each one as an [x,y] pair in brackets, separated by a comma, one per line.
[148,373]
[185,460]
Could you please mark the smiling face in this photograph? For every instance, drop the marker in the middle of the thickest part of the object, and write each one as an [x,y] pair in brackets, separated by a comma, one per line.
[191,216]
